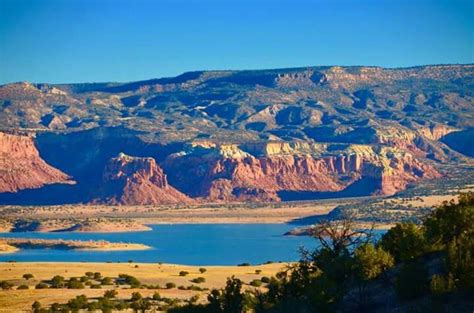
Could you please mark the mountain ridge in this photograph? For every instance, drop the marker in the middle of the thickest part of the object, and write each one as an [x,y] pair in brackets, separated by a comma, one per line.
[254,135]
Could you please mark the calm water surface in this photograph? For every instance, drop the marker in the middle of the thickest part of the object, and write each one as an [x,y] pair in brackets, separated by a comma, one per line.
[192,244]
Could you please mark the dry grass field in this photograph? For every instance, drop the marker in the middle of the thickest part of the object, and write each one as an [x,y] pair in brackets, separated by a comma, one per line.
[150,274]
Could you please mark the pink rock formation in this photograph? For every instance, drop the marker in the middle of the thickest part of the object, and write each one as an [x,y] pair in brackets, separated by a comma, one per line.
[21,166]
[133,181]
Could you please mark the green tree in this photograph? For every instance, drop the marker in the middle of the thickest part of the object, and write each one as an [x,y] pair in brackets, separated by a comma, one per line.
[232,296]
[28,276]
[405,241]
[371,261]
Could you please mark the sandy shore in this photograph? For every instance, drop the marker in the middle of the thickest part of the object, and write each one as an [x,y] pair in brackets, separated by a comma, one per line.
[147,273]
[11,245]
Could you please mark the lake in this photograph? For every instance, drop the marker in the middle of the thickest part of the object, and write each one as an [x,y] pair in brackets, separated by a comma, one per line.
[190,244]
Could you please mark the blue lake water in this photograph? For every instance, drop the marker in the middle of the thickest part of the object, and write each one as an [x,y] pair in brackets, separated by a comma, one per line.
[191,244]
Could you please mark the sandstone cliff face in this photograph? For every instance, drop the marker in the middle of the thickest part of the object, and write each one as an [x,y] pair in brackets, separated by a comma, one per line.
[133,181]
[21,166]
[218,175]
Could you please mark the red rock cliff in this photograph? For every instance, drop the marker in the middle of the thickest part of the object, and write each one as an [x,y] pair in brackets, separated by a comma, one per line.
[133,181]
[21,166]
[245,177]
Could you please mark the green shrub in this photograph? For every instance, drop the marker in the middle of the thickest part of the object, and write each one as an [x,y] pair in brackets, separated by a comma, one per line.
[57,281]
[110,294]
[136,296]
[97,276]
[129,280]
[74,284]
[96,286]
[79,302]
[36,306]
[265,279]
[244,264]
[4,285]
[198,280]
[41,286]
[256,283]
[106,281]
[90,274]
[183,273]
[202,270]
[170,285]
[156,296]
[22,287]
[258,272]
[28,276]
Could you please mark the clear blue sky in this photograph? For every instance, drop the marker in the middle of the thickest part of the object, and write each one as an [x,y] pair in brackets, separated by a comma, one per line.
[116,40]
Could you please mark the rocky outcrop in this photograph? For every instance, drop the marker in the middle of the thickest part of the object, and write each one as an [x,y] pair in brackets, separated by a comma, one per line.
[134,180]
[21,166]
[217,175]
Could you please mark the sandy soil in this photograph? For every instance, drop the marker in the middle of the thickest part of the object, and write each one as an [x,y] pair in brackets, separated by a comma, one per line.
[10,245]
[147,273]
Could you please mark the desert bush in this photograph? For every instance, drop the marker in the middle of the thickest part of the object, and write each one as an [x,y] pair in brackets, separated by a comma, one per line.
[136,296]
[198,280]
[202,270]
[110,293]
[74,284]
[183,273]
[256,283]
[4,285]
[156,296]
[106,281]
[22,287]
[41,286]
[97,276]
[170,285]
[28,276]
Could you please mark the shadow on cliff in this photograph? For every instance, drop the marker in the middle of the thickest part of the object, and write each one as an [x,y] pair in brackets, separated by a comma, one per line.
[83,155]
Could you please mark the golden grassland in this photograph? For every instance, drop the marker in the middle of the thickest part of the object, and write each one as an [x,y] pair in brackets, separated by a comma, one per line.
[147,273]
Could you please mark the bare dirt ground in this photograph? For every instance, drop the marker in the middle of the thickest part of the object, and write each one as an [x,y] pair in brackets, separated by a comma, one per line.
[151,274]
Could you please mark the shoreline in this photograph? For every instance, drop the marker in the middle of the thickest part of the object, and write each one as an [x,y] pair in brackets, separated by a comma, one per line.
[12,245]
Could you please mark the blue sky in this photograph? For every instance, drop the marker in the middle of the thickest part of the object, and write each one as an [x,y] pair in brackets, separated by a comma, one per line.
[61,41]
